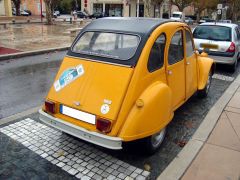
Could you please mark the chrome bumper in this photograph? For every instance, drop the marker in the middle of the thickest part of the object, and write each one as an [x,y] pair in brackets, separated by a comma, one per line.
[79,132]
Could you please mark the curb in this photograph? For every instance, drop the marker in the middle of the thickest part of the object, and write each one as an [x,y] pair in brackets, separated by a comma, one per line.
[30,53]
[19,115]
[179,165]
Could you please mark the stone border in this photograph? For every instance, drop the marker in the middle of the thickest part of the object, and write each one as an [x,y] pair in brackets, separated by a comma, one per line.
[179,165]
[31,53]
[19,115]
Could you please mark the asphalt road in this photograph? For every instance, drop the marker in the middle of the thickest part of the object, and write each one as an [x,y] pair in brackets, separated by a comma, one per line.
[24,83]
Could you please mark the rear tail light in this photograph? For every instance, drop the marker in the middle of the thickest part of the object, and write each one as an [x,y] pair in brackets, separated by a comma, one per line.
[50,107]
[104,125]
[231,48]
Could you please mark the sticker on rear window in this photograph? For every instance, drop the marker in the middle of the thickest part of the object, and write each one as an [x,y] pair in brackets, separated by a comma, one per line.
[68,76]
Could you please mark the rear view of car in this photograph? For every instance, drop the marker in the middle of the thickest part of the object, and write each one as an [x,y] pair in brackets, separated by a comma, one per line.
[220,40]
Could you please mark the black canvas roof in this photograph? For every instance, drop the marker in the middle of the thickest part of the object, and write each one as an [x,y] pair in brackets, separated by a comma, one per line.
[126,24]
[142,27]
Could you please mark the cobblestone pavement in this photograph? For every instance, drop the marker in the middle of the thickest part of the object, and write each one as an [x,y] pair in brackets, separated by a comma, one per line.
[77,158]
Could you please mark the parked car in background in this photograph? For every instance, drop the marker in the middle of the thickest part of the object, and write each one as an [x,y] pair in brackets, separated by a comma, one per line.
[53,15]
[22,12]
[225,21]
[178,16]
[221,40]
[57,13]
[205,19]
[28,11]
[189,20]
[123,78]
[97,15]
[81,14]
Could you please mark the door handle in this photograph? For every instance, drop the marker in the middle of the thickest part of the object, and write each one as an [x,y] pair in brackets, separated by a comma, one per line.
[188,63]
[169,72]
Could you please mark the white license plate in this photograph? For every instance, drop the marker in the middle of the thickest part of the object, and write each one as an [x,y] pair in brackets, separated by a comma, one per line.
[83,116]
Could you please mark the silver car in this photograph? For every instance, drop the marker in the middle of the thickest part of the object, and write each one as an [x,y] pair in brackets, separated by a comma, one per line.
[220,40]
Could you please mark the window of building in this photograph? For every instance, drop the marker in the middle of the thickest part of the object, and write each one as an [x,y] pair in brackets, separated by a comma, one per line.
[156,57]
[175,52]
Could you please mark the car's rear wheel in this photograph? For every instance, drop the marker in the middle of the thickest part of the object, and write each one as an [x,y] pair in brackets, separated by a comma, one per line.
[204,92]
[152,143]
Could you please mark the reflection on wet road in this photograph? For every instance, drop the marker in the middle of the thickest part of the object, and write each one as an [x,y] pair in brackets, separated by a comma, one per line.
[24,82]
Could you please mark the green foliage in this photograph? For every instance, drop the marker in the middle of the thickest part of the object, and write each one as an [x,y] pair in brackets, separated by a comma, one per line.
[66,6]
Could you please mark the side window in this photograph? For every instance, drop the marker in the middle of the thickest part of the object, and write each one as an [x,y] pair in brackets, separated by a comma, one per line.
[156,57]
[189,44]
[175,52]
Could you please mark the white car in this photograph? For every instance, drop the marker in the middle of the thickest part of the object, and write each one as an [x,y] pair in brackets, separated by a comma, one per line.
[220,40]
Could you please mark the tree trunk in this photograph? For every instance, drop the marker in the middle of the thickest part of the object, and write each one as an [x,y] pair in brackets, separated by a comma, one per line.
[48,12]
[147,9]
[18,13]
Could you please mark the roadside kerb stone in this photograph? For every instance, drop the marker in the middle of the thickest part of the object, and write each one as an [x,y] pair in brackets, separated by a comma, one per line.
[31,53]
[41,138]
[180,164]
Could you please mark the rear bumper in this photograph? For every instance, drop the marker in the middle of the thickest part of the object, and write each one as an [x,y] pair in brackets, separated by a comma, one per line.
[223,58]
[79,132]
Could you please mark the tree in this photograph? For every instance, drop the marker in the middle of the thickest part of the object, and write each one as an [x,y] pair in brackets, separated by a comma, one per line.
[17,6]
[149,4]
[201,5]
[181,4]
[48,6]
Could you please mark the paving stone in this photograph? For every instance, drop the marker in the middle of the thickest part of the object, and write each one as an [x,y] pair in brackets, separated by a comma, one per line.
[121,169]
[138,171]
[81,168]
[134,175]
[128,178]
[115,173]
[55,161]
[44,155]
[111,177]
[76,166]
[90,174]
[97,177]
[85,171]
[122,176]
[146,173]
[73,171]
[79,175]
[49,158]
[66,167]
[109,170]
[61,164]
[140,177]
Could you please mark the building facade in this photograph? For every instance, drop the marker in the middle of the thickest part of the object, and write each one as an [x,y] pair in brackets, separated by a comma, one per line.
[33,5]
[5,8]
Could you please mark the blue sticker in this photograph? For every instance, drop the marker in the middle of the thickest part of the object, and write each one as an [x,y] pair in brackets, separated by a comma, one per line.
[68,76]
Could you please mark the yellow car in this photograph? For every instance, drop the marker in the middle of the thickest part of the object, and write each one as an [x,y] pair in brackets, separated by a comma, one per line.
[122,80]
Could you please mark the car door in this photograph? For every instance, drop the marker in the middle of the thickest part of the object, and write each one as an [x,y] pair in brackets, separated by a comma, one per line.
[191,64]
[176,68]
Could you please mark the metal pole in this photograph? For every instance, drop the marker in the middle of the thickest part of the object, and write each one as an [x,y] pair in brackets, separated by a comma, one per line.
[137,8]
[41,10]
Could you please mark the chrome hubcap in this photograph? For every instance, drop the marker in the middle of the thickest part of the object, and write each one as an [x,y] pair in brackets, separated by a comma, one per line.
[158,138]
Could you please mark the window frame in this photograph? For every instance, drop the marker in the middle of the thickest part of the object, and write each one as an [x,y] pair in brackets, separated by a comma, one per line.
[103,56]
[183,47]
[193,45]
[162,65]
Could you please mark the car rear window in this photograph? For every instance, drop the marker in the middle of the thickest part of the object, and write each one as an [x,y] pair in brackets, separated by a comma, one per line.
[216,33]
[105,44]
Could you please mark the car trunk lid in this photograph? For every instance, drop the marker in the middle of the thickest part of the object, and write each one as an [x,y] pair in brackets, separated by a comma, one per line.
[90,86]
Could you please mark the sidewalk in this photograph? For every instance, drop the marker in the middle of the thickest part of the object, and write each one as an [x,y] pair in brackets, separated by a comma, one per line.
[220,156]
[37,36]
[213,152]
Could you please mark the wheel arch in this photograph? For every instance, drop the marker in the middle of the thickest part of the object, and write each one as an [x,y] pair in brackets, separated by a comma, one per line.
[149,114]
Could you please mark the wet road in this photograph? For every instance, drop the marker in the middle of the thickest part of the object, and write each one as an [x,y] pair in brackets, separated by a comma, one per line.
[24,84]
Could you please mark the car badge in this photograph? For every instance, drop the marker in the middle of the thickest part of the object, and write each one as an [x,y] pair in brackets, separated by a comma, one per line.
[76,103]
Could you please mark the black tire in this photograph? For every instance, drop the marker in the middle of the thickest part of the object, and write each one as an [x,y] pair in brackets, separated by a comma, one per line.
[204,92]
[152,143]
